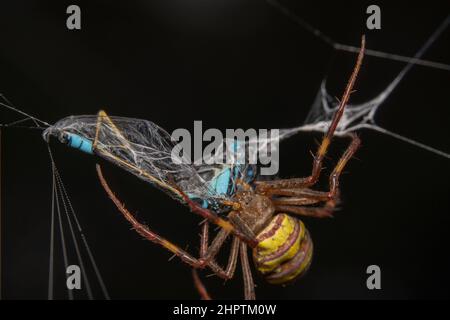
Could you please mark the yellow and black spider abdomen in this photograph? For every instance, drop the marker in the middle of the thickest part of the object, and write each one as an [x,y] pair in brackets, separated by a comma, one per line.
[284,250]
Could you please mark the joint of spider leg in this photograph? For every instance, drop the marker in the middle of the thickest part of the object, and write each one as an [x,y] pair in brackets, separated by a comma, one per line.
[333,194]
[202,263]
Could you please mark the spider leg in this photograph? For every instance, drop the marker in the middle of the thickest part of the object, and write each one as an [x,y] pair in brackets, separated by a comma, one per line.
[267,186]
[219,271]
[294,201]
[315,212]
[305,193]
[249,285]
[147,232]
[237,246]
[204,295]
[154,237]
[297,205]
[208,253]
[300,193]
[301,197]
[348,154]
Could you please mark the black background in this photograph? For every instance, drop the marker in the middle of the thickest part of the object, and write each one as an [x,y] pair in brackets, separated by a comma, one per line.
[232,64]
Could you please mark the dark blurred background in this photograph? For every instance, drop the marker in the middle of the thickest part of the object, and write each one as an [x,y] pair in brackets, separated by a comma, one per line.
[231,64]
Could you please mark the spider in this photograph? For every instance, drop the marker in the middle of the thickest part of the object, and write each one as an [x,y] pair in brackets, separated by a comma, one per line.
[262,216]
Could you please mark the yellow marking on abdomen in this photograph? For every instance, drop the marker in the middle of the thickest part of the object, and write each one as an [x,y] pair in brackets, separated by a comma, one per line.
[284,249]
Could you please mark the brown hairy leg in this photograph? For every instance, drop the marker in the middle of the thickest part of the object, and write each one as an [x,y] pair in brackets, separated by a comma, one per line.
[268,186]
[152,236]
[228,272]
[204,295]
[249,285]
[296,199]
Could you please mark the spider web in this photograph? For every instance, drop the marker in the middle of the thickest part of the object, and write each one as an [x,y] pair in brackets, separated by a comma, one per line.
[362,115]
